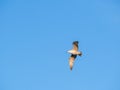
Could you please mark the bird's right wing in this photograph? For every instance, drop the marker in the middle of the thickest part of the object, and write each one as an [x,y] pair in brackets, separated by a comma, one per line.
[71,60]
[75,45]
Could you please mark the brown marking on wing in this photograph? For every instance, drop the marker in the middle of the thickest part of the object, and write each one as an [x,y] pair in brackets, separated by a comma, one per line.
[71,60]
[75,45]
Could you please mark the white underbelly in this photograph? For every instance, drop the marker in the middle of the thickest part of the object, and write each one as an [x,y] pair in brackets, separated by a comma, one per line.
[73,52]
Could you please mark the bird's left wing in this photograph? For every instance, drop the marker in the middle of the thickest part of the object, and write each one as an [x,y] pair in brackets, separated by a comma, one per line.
[71,60]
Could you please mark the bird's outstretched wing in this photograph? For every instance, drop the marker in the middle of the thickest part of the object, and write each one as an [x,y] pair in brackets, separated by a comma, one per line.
[71,60]
[75,45]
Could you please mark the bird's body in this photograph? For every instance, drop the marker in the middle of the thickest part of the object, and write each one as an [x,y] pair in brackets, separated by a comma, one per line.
[74,52]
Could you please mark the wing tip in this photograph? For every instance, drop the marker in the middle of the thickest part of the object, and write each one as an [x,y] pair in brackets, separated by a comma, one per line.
[71,68]
[75,42]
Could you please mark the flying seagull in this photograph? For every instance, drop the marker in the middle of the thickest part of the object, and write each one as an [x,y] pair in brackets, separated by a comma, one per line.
[74,52]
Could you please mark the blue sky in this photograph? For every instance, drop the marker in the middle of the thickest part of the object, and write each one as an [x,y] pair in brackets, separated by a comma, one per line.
[35,35]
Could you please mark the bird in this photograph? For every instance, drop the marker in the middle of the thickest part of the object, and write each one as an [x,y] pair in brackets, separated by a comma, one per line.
[74,53]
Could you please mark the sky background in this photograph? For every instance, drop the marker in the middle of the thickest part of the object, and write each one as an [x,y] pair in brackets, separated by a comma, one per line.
[36,34]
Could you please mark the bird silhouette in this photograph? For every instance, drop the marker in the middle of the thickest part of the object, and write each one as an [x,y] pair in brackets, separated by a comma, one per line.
[74,53]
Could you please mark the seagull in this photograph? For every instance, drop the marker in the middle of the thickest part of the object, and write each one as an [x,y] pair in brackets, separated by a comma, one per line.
[74,52]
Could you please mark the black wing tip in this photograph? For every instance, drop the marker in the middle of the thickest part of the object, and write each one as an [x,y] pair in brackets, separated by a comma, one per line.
[75,42]
[71,68]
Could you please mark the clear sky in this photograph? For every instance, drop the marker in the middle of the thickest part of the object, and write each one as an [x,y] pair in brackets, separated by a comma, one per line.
[36,34]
